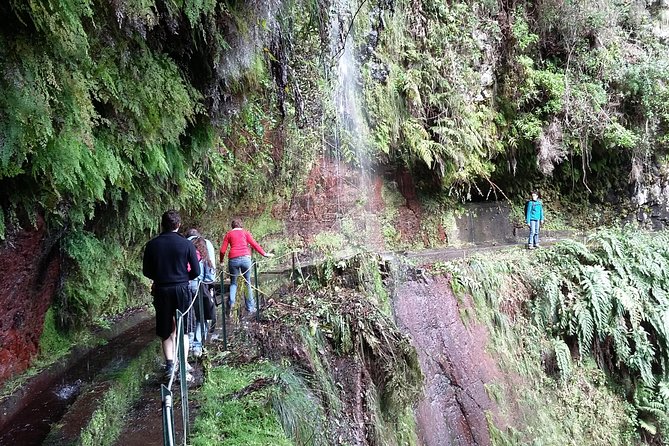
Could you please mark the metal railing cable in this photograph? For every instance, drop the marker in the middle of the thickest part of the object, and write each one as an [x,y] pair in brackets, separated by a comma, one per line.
[180,352]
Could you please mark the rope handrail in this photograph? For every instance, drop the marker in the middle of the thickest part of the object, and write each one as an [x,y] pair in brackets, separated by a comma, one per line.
[241,273]
[180,354]
[180,338]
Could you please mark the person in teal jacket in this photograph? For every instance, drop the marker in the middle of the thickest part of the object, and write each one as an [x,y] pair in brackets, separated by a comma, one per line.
[534,217]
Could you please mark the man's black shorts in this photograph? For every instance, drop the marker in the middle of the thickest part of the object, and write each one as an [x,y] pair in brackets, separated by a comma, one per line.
[166,301]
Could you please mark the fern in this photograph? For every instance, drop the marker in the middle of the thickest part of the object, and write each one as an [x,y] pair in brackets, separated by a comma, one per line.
[621,344]
[642,359]
[574,251]
[583,326]
[663,391]
[546,310]
[596,286]
[563,358]
[652,411]
[627,304]
[609,241]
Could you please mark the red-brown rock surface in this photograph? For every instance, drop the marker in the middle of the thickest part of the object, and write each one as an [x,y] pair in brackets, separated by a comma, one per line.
[454,361]
[30,268]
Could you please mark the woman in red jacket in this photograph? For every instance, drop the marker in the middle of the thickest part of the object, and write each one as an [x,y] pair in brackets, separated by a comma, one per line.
[239,260]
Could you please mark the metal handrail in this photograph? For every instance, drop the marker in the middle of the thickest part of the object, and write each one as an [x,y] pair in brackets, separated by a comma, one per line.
[166,391]
[180,353]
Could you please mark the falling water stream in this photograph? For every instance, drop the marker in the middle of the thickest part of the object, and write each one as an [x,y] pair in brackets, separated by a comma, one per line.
[350,132]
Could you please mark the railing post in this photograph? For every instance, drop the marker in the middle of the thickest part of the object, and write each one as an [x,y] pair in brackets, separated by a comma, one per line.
[181,354]
[255,278]
[224,314]
[200,313]
[168,416]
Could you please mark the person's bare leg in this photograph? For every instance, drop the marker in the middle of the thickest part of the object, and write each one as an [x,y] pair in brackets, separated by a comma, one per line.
[168,347]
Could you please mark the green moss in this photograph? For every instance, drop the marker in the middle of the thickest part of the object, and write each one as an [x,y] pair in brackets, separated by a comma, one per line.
[392,200]
[106,280]
[248,420]
[109,417]
[53,343]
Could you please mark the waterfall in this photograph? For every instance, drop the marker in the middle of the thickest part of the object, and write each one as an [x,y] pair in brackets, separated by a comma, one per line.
[351,134]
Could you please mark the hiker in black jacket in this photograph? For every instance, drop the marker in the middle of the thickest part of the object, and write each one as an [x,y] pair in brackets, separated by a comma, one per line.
[170,261]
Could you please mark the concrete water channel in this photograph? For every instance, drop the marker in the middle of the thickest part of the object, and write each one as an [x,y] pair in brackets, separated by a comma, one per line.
[27,417]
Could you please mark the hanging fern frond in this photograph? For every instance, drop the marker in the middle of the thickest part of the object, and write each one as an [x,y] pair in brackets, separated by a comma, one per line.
[596,288]
[642,359]
[621,343]
[663,391]
[659,321]
[546,311]
[627,303]
[585,326]
[575,251]
[610,243]
[563,358]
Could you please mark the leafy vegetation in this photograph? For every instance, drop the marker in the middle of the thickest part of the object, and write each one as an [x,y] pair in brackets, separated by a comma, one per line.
[229,417]
[570,96]
[112,112]
[323,357]
[106,120]
[594,314]
[347,324]
[429,108]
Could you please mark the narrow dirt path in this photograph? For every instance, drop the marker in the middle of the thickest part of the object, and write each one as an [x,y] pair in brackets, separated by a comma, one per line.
[144,422]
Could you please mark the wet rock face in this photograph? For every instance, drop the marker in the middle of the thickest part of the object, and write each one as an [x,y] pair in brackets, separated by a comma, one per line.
[30,276]
[454,362]
[652,201]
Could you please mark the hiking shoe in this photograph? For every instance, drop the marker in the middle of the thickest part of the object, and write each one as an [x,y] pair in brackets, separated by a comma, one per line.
[197,352]
[189,378]
[530,247]
[536,246]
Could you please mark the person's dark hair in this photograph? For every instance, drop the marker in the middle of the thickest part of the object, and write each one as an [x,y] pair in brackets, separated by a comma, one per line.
[536,192]
[192,232]
[236,223]
[170,221]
